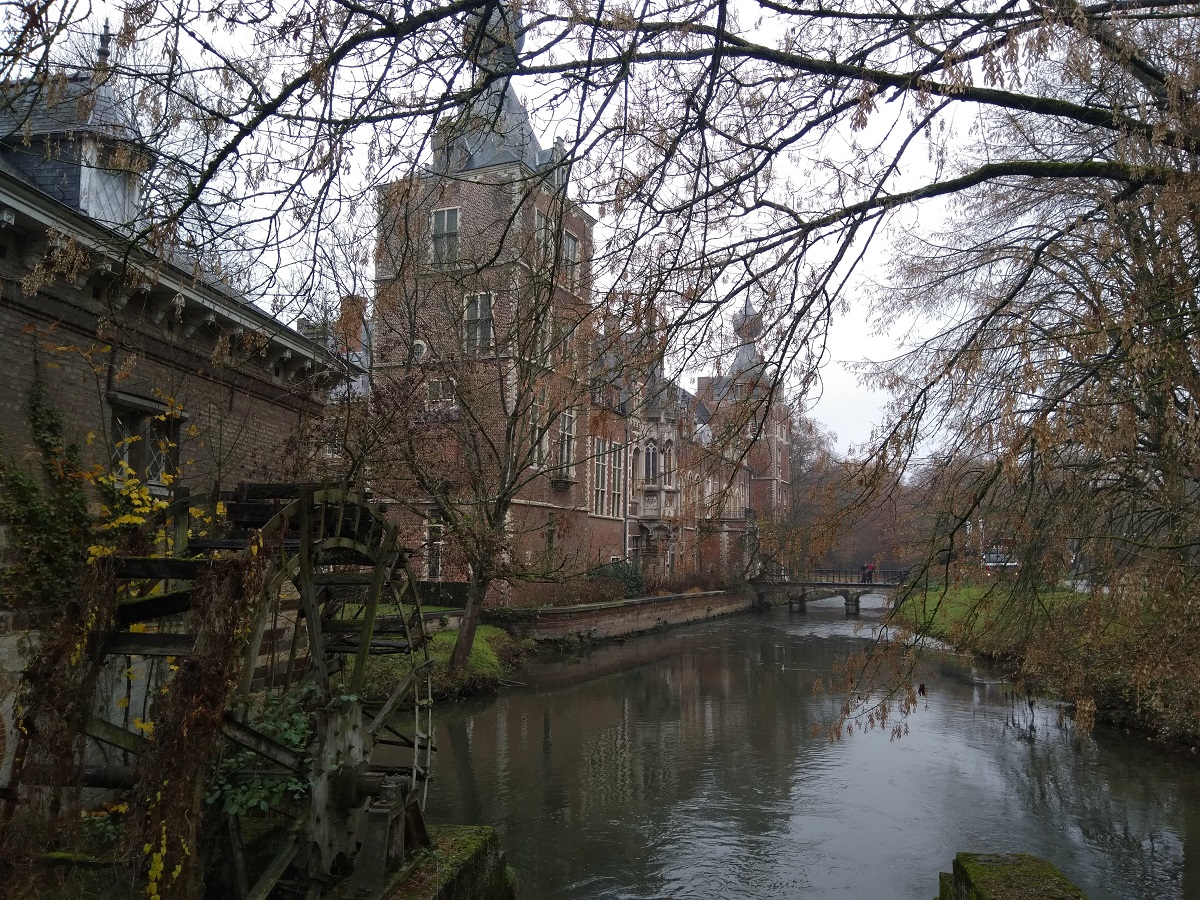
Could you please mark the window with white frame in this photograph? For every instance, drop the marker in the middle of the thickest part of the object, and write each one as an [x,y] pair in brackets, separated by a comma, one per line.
[543,236]
[616,469]
[144,446]
[439,395]
[537,428]
[477,324]
[570,261]
[564,343]
[435,532]
[650,473]
[566,441]
[668,468]
[599,476]
[444,229]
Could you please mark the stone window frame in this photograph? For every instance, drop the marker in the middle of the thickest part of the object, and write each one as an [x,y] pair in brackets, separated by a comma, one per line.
[445,244]
[479,328]
[599,475]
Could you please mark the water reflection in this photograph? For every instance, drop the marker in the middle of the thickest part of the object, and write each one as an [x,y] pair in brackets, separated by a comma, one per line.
[683,765]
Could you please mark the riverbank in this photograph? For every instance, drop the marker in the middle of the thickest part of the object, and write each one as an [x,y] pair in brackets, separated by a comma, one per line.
[511,635]
[1033,642]
[494,656]
[594,622]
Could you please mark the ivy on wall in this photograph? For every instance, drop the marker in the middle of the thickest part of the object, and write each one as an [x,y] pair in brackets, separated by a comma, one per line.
[45,515]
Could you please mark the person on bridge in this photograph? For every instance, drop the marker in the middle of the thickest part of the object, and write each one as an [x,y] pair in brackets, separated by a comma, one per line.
[862,574]
[870,573]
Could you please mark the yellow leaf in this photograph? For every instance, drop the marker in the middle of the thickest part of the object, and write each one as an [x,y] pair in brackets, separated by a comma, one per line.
[91,438]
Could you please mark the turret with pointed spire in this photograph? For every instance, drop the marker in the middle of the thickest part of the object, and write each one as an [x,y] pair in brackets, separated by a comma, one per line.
[492,128]
[748,362]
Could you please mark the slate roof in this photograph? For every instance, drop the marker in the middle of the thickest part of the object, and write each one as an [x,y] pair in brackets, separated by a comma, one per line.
[494,129]
[60,108]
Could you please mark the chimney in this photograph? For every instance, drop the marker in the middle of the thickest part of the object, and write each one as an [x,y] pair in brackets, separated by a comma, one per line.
[351,323]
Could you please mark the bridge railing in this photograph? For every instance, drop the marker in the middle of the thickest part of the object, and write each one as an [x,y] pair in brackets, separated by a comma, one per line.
[848,576]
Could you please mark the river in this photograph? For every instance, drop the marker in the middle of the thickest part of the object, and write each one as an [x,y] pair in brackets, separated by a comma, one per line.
[682,764]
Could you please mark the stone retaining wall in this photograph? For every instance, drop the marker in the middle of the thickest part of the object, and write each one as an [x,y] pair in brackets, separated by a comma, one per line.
[618,618]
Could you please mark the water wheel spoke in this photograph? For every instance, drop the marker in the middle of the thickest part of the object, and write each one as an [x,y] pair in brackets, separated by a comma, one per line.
[148,643]
[155,606]
[112,734]
[247,737]
[277,866]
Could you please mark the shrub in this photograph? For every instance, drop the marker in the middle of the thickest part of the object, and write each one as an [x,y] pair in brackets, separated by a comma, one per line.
[628,574]
[568,593]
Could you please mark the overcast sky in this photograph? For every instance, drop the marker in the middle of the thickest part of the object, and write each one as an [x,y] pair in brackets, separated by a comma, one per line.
[847,408]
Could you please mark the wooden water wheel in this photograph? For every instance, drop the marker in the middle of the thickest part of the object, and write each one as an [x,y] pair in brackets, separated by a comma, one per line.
[299,796]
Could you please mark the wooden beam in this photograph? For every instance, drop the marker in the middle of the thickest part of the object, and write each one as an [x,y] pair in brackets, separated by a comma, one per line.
[148,644]
[156,606]
[159,567]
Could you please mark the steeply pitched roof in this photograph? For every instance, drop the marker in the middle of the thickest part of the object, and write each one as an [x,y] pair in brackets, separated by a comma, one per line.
[494,129]
[60,107]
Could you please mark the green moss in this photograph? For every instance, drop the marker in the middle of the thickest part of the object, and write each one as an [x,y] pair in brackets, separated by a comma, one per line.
[1011,876]
[493,656]
[464,864]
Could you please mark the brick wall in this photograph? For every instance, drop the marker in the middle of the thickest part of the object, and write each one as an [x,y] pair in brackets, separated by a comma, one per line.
[240,421]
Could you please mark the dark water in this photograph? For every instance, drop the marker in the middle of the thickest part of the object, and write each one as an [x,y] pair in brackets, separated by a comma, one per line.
[682,765]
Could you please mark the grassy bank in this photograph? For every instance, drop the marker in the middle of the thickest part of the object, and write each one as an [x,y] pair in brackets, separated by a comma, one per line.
[493,657]
[1089,648]
[981,619]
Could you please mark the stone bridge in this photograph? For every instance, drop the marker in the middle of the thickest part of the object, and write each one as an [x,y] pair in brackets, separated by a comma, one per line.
[822,585]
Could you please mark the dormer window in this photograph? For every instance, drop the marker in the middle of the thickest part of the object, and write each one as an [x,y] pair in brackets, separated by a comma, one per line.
[445,236]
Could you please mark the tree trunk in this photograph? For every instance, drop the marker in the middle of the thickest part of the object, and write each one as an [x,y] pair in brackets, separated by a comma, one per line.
[470,622]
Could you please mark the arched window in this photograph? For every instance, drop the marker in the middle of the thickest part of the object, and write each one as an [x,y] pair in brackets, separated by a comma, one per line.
[668,463]
[636,466]
[651,463]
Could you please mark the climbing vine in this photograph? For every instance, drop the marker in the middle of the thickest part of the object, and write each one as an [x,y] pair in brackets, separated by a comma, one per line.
[46,518]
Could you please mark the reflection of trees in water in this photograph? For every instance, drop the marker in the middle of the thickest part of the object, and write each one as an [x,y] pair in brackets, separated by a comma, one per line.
[1113,795]
[613,760]
[695,744]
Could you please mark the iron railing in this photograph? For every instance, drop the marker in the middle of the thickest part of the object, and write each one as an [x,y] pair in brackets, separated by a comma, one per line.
[849,576]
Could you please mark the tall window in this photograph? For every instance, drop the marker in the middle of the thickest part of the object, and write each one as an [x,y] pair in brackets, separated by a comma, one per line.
[434,539]
[445,236]
[566,441]
[570,261]
[599,476]
[616,468]
[543,236]
[477,324]
[537,429]
[668,466]
[651,469]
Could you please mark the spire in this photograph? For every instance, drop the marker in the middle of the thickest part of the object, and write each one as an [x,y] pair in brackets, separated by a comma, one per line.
[103,53]
[493,127]
[748,361]
[494,44]
[747,323]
